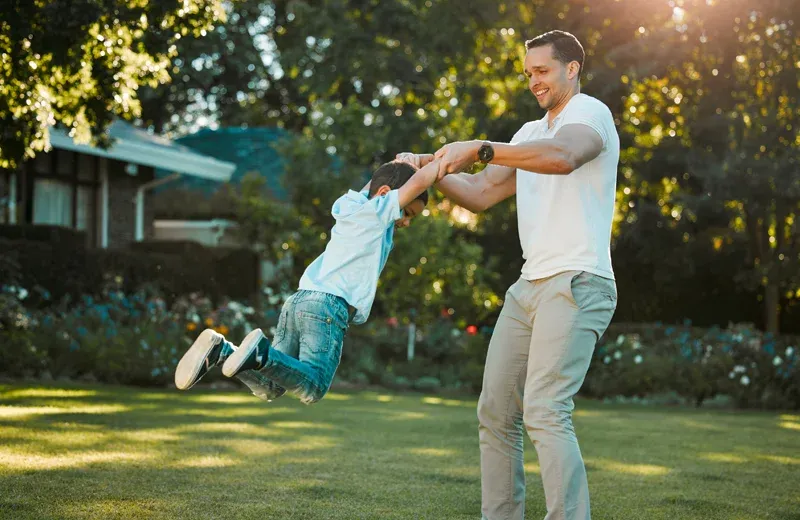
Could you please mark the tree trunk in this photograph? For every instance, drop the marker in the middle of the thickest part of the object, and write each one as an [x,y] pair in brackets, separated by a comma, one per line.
[772,306]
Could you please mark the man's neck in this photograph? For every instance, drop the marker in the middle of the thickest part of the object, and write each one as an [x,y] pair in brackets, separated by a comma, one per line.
[553,112]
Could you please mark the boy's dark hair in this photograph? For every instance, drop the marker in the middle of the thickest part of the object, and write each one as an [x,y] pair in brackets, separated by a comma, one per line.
[394,174]
[566,47]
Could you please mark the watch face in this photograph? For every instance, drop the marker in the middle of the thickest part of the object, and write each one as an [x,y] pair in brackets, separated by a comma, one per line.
[485,153]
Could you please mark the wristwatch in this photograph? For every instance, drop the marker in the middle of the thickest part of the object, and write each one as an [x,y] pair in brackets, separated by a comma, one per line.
[486,153]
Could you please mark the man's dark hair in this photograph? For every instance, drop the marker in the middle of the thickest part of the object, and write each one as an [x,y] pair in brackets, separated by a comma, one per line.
[394,175]
[566,47]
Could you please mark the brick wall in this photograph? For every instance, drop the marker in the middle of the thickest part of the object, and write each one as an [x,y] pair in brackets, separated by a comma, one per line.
[122,204]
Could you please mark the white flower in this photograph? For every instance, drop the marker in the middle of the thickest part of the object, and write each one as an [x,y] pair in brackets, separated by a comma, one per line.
[455,333]
[618,355]
[196,318]
[22,321]
[636,345]
[745,380]
[273,299]
[739,369]
[789,351]
[637,359]
[620,339]
[737,337]
[607,360]
[249,310]
[732,375]
[709,348]
[22,293]
[777,361]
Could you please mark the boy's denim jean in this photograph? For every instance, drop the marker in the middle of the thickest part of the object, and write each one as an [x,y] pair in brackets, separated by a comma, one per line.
[306,349]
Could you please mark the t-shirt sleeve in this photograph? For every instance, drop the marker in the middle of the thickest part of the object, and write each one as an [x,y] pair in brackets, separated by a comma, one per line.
[521,134]
[386,207]
[592,113]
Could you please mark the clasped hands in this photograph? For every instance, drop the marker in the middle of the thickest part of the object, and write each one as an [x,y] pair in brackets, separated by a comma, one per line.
[455,157]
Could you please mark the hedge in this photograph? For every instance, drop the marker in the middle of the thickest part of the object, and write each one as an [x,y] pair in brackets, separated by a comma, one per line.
[51,270]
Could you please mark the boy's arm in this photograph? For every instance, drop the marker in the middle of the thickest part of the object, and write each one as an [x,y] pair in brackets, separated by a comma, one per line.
[419,182]
[479,192]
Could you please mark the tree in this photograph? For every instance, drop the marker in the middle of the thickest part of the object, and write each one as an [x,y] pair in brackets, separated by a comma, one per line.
[79,63]
[228,78]
[728,95]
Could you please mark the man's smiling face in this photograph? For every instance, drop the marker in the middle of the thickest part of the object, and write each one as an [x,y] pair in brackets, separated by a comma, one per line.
[548,78]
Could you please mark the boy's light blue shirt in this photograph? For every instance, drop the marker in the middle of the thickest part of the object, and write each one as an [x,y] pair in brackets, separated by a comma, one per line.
[356,254]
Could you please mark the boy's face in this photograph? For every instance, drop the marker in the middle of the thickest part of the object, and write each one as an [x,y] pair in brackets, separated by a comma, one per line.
[414,208]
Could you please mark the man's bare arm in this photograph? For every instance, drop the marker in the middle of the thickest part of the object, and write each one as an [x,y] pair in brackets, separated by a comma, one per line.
[573,146]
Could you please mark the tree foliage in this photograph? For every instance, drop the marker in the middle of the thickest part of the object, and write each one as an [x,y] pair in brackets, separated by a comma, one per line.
[79,63]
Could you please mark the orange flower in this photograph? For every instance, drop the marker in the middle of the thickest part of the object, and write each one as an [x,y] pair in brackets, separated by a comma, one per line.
[209,322]
[191,326]
[222,329]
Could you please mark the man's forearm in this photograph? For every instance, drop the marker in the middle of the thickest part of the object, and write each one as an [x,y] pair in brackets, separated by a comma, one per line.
[461,189]
[545,156]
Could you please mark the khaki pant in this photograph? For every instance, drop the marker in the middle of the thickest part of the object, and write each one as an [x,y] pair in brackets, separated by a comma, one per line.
[537,360]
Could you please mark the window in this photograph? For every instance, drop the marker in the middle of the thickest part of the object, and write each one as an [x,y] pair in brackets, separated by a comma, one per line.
[52,202]
[84,209]
[63,191]
[5,198]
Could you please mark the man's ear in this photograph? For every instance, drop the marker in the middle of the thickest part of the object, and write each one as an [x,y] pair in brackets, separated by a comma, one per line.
[573,68]
[383,190]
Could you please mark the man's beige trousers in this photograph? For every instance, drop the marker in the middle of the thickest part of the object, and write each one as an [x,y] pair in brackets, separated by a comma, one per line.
[537,360]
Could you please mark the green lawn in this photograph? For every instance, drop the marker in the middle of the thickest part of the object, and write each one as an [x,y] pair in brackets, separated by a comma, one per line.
[112,452]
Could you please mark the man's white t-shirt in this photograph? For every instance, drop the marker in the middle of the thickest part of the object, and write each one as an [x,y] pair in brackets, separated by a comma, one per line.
[565,220]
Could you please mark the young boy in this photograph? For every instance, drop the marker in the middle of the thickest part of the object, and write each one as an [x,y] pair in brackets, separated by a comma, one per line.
[337,288]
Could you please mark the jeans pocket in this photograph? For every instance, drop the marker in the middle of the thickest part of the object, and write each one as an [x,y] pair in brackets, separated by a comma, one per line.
[315,332]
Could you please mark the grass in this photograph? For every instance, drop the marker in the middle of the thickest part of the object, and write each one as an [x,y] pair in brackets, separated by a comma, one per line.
[70,452]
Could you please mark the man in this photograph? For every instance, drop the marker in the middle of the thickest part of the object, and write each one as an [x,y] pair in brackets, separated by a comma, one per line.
[563,170]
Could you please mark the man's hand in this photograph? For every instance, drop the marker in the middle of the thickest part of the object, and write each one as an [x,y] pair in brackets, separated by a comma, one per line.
[416,160]
[456,157]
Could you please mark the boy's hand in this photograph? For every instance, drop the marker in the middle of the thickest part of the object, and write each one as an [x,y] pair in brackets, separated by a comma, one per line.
[457,156]
[416,160]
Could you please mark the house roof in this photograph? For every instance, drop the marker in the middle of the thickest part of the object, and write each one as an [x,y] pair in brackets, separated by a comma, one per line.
[133,145]
[250,149]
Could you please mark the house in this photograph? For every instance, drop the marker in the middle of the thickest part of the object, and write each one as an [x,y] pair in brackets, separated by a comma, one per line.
[252,152]
[101,191]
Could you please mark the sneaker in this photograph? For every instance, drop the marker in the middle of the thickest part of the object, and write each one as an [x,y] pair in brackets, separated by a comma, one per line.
[207,351]
[251,354]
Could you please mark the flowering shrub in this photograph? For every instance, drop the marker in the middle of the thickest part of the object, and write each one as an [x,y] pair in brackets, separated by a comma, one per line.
[754,368]
[17,353]
[138,339]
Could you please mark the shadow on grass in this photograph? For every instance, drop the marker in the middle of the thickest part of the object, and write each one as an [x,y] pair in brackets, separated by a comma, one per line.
[78,452]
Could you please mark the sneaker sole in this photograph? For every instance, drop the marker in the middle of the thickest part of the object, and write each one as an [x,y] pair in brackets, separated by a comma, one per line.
[234,363]
[190,364]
